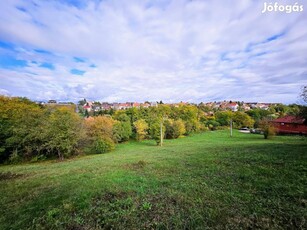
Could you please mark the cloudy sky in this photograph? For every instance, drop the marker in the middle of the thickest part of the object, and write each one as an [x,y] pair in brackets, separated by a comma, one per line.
[109,50]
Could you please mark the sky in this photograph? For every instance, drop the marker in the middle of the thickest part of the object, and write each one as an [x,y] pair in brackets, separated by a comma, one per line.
[118,51]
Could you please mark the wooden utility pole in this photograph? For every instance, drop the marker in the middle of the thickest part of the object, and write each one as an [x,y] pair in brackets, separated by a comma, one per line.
[161,134]
[231,127]
[161,130]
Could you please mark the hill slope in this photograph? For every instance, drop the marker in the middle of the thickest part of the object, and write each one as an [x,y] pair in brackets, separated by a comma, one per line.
[207,180]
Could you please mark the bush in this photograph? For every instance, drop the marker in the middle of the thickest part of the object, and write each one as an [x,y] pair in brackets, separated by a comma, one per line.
[267,128]
[269,132]
[174,129]
[141,129]
[38,158]
[241,119]
[102,145]
[191,126]
[122,131]
[15,157]
[155,131]
[212,124]
[203,128]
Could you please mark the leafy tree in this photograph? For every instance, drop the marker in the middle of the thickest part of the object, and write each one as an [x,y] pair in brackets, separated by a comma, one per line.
[123,117]
[82,102]
[21,125]
[204,107]
[223,117]
[141,129]
[133,113]
[86,113]
[267,128]
[294,110]
[100,133]
[63,132]
[102,145]
[303,109]
[122,131]
[304,93]
[241,119]
[99,127]
[281,109]
[174,129]
[191,126]
[212,124]
[187,113]
[155,131]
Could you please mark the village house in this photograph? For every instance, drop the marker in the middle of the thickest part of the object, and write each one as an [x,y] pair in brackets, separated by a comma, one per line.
[290,125]
[245,107]
[87,107]
[233,106]
[52,102]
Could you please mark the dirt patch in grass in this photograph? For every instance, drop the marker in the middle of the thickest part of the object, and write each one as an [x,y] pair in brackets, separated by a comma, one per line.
[10,176]
[137,165]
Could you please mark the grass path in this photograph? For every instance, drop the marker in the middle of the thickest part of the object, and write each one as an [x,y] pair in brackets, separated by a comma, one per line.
[208,180]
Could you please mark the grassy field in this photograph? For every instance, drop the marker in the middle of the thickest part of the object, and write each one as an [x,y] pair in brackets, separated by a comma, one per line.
[207,181]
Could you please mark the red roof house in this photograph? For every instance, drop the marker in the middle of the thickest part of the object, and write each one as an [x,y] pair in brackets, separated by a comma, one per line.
[290,125]
[87,107]
[233,106]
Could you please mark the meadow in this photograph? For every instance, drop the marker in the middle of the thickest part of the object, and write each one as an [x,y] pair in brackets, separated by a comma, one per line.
[204,181]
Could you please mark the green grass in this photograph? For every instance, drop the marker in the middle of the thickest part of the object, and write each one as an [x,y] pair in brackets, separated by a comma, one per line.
[206,181]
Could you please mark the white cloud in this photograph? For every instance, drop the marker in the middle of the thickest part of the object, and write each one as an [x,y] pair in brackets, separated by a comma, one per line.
[169,50]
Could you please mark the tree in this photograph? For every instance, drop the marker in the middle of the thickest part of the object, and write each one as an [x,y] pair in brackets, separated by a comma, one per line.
[100,133]
[174,129]
[294,109]
[86,113]
[267,128]
[82,102]
[212,124]
[155,131]
[21,126]
[303,109]
[102,145]
[100,126]
[241,119]
[304,93]
[223,117]
[281,109]
[141,129]
[122,131]
[63,132]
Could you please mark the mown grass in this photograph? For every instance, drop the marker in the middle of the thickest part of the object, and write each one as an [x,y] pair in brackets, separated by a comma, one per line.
[207,181]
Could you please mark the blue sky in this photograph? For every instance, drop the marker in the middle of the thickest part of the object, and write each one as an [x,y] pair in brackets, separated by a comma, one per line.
[206,50]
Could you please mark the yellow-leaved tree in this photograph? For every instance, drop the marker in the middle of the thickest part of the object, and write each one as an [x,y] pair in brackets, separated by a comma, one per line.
[141,129]
[99,131]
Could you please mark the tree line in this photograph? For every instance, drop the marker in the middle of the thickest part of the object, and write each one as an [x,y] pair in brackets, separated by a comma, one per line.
[32,132]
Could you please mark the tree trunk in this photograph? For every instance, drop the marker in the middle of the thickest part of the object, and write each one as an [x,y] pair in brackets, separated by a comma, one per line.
[61,157]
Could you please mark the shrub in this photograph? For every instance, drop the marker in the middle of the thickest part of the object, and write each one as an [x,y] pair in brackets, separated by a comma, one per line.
[15,157]
[141,128]
[267,128]
[212,124]
[63,132]
[122,131]
[269,132]
[203,128]
[191,126]
[155,131]
[38,158]
[174,129]
[241,119]
[102,145]
[101,126]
